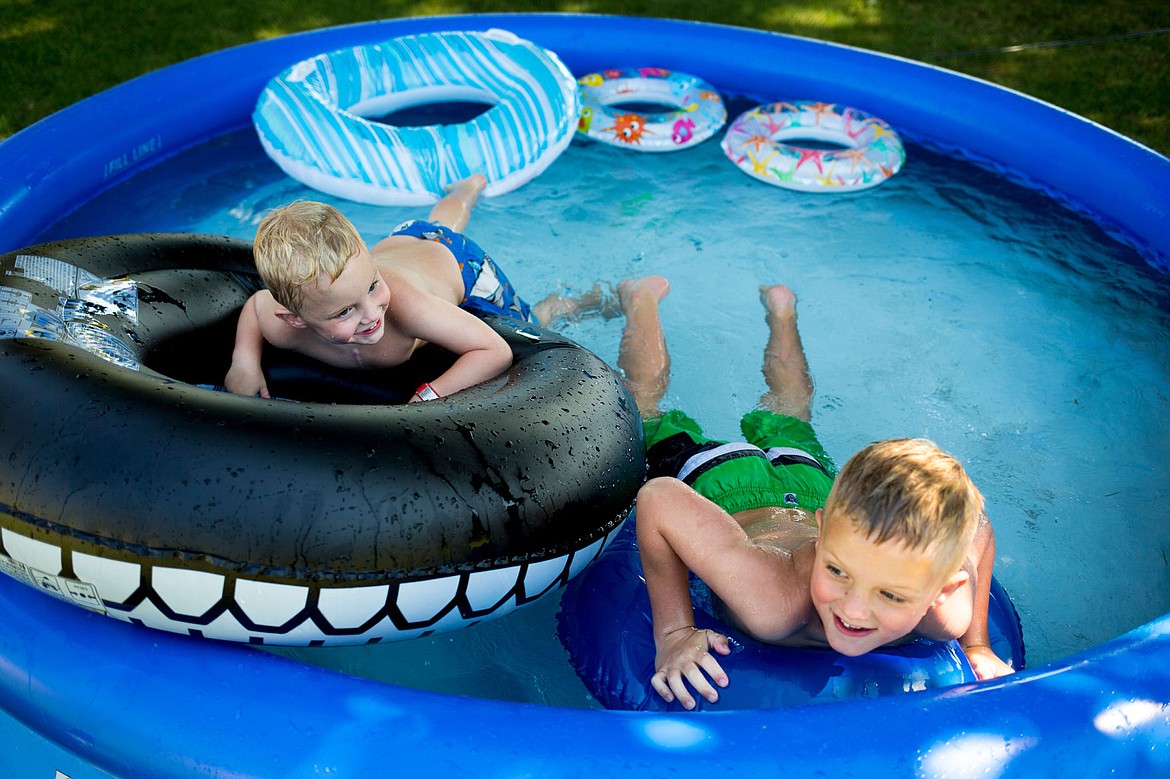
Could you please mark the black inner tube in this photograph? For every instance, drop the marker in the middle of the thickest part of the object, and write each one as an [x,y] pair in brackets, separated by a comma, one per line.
[344,484]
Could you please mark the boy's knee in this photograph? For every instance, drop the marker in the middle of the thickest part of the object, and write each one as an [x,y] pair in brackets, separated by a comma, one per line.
[659,489]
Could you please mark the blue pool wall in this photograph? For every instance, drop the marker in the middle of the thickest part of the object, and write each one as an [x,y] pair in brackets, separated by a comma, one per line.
[93,698]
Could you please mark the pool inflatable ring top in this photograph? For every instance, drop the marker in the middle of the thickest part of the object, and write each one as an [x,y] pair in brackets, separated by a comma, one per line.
[315,119]
[338,519]
[605,625]
[765,143]
[617,108]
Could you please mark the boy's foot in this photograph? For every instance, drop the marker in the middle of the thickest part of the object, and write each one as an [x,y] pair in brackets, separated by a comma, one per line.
[470,186]
[630,291]
[779,300]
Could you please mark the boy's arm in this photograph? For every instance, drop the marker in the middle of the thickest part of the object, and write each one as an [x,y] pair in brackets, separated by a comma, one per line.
[976,642]
[963,613]
[664,513]
[483,354]
[245,376]
[680,530]
[454,210]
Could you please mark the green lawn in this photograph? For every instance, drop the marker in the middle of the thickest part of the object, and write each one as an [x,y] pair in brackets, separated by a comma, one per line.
[1108,66]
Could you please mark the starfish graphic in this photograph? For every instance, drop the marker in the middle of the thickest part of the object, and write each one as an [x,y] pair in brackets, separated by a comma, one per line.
[781,175]
[854,156]
[849,117]
[757,141]
[828,181]
[820,109]
[809,154]
[769,123]
[760,166]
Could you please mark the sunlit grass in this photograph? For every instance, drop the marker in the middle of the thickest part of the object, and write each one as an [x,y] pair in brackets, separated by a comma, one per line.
[822,16]
[268,33]
[40,26]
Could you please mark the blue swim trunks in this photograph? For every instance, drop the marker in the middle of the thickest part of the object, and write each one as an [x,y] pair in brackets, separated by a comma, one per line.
[782,464]
[486,290]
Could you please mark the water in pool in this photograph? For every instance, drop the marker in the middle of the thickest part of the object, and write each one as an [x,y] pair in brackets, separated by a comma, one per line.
[947,303]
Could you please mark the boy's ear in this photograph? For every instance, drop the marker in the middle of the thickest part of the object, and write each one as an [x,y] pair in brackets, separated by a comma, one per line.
[291,319]
[956,580]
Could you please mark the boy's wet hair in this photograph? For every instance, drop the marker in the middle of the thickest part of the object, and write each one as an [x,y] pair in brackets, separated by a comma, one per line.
[299,243]
[911,492]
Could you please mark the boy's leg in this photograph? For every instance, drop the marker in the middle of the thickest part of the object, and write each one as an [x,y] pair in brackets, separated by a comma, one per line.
[454,209]
[643,356]
[596,301]
[790,387]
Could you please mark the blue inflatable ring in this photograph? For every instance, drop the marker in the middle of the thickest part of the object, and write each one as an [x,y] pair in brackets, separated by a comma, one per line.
[605,625]
[312,118]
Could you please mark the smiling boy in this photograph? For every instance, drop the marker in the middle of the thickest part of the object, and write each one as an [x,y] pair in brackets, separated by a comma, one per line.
[332,299]
[895,547]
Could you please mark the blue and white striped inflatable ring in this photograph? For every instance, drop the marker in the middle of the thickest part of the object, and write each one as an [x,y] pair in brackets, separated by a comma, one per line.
[693,109]
[312,122]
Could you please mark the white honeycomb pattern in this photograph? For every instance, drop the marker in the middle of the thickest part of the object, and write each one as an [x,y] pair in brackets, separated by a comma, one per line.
[231,607]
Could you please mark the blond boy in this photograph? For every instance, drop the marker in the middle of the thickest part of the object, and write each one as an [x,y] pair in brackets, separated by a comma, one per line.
[896,547]
[332,299]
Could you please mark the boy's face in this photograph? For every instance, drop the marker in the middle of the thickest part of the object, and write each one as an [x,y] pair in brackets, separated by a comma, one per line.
[350,309]
[867,594]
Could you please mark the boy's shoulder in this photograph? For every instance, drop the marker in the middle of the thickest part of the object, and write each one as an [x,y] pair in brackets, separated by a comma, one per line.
[273,327]
[779,608]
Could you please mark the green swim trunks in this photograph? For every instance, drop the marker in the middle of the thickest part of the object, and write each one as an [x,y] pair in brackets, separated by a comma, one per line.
[782,463]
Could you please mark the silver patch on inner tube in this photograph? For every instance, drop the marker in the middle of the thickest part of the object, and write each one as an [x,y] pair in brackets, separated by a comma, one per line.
[84,298]
[103,297]
[61,277]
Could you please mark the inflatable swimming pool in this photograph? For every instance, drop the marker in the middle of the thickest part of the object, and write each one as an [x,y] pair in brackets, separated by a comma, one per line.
[90,698]
[346,518]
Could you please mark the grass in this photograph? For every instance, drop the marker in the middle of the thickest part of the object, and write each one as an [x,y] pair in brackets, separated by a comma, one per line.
[56,52]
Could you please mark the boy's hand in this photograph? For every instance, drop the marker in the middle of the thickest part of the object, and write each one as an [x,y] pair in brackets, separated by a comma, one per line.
[985,662]
[246,381]
[684,655]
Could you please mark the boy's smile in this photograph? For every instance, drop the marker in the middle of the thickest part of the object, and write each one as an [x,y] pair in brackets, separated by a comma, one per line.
[369,331]
[868,595]
[351,308]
